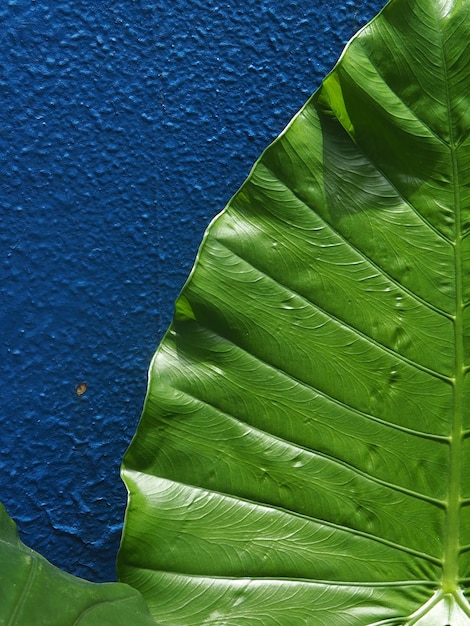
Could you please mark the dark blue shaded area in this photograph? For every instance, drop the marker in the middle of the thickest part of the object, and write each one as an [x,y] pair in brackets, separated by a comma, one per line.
[125,126]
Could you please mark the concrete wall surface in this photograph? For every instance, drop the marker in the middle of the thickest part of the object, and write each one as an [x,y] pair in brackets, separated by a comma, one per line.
[125,126]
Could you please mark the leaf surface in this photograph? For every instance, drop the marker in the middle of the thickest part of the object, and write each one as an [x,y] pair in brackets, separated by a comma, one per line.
[35,593]
[303,454]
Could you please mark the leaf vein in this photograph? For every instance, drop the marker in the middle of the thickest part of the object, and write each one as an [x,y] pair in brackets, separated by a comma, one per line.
[361,253]
[315,520]
[341,322]
[314,452]
[325,395]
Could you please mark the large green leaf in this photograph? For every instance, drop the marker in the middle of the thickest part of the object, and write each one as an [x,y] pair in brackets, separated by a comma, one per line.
[303,455]
[35,593]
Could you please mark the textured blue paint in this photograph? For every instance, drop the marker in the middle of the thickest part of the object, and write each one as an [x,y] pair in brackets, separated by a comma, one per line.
[125,127]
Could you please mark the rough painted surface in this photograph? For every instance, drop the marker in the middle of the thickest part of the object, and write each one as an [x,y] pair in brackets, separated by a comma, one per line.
[125,127]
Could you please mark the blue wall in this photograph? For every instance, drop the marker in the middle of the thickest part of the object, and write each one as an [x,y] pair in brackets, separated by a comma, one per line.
[125,127]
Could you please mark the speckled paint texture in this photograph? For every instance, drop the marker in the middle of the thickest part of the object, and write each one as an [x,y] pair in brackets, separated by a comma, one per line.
[125,126]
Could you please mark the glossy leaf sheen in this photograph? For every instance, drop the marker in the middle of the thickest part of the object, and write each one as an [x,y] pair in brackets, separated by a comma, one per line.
[35,593]
[303,456]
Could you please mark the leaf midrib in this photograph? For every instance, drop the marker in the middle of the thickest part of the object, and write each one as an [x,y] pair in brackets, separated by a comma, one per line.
[450,575]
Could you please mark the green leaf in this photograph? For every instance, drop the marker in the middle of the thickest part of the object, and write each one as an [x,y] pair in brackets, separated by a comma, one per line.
[35,593]
[303,455]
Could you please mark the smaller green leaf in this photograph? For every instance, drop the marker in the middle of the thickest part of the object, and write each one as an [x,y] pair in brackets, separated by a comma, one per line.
[35,593]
